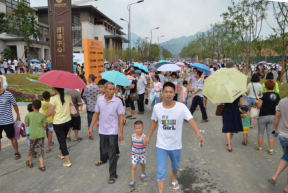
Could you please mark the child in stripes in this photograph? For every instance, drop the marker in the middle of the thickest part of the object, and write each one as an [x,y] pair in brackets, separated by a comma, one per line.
[138,152]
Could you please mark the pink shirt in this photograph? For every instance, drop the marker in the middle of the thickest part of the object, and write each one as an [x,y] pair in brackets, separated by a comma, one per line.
[108,117]
[157,86]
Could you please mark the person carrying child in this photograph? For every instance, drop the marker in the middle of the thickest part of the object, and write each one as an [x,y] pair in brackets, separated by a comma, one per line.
[246,121]
[36,122]
[138,152]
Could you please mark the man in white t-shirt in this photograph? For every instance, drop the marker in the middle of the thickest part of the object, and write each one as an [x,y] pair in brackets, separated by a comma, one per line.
[279,72]
[169,115]
[15,62]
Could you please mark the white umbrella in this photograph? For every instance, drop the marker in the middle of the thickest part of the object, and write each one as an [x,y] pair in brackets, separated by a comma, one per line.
[180,64]
[168,67]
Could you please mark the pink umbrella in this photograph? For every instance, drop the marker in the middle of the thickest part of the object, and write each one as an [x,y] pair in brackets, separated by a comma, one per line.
[62,79]
[180,64]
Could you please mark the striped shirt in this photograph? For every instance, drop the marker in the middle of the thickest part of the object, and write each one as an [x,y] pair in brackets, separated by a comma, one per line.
[138,147]
[6,100]
[199,85]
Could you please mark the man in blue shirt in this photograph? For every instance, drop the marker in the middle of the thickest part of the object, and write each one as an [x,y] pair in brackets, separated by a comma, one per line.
[74,68]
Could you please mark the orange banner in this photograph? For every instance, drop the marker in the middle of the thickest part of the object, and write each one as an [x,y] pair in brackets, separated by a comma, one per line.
[93,58]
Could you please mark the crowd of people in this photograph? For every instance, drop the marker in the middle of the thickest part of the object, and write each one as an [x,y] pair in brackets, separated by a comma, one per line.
[110,106]
[14,66]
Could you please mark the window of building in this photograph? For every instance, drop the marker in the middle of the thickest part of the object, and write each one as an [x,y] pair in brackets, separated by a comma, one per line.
[11,4]
[76,30]
[95,38]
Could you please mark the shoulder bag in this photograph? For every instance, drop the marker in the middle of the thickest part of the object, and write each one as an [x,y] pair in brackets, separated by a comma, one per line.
[134,96]
[219,110]
[73,110]
[254,112]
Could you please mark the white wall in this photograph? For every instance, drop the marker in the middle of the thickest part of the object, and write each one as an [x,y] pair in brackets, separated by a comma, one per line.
[87,30]
[100,32]
[2,8]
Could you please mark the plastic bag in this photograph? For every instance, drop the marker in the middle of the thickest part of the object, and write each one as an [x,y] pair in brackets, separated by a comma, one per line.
[148,105]
[19,129]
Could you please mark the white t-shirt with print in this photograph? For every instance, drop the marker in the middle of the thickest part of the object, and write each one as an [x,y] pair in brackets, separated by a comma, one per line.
[170,125]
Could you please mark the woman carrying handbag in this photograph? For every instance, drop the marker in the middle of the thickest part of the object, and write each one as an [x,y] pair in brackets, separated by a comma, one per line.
[254,89]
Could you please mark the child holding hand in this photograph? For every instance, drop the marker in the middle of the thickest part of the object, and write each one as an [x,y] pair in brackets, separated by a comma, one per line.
[138,152]
[246,121]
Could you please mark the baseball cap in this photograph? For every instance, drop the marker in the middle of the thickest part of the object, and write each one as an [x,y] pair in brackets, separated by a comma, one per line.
[245,108]
[138,72]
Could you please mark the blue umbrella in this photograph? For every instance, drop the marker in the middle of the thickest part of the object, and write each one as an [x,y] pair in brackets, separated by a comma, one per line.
[161,61]
[141,67]
[116,77]
[35,60]
[201,67]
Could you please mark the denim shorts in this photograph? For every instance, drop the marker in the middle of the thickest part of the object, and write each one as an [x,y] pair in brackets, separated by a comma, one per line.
[284,145]
[49,127]
[161,157]
[251,101]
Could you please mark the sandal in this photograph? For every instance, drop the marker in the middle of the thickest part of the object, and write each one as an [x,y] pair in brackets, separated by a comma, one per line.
[61,156]
[128,116]
[243,143]
[174,184]
[132,184]
[17,156]
[52,143]
[133,118]
[78,139]
[68,139]
[29,165]
[91,137]
[118,156]
[42,168]
[112,180]
[99,163]
[48,150]
[143,176]
[125,121]
[204,121]
[272,182]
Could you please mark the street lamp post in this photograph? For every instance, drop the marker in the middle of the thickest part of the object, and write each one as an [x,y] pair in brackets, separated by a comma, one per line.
[151,34]
[128,35]
[129,25]
[160,37]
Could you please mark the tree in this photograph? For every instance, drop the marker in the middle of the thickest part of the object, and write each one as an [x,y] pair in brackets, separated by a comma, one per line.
[3,23]
[247,16]
[154,52]
[166,53]
[7,53]
[23,23]
[280,11]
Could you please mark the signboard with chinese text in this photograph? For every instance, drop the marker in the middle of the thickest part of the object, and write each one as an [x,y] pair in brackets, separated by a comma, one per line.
[60,22]
[93,58]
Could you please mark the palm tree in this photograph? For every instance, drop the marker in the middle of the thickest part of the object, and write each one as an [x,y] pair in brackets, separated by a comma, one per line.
[7,53]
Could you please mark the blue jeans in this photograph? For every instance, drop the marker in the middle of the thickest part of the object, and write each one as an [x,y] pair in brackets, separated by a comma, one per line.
[251,101]
[89,118]
[284,145]
[155,101]
[161,157]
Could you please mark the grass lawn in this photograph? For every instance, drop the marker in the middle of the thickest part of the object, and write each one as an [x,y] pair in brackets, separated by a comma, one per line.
[26,86]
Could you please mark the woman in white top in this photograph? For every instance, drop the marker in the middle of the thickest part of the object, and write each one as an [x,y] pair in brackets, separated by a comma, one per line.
[254,89]
[3,81]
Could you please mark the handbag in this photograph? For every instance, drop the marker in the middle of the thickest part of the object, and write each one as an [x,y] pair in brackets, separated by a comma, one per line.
[73,110]
[254,112]
[134,97]
[219,110]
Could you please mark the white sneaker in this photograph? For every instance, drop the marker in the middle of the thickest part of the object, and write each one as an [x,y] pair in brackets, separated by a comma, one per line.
[67,165]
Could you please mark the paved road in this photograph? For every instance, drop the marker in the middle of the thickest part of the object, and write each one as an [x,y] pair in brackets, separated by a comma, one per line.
[208,169]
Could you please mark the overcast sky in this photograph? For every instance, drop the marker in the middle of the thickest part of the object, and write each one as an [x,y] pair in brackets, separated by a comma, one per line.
[175,18]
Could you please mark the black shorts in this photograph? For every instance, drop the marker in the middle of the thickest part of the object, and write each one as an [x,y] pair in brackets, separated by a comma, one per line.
[76,123]
[9,130]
